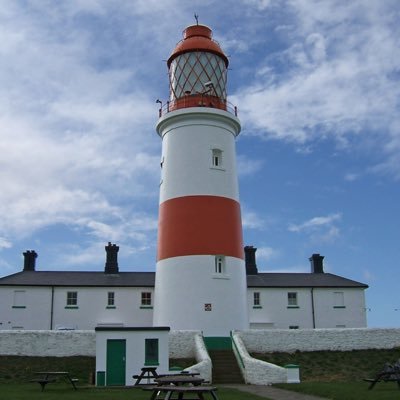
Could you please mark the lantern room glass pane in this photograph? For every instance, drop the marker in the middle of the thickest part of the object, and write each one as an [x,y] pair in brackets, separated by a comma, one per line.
[190,72]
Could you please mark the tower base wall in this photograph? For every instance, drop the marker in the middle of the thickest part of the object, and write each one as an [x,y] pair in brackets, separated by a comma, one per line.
[191,295]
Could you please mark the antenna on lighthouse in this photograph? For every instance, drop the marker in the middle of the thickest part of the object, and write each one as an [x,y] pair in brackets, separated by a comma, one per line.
[196,17]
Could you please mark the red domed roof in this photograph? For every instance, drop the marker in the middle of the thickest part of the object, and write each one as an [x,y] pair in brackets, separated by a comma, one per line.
[197,38]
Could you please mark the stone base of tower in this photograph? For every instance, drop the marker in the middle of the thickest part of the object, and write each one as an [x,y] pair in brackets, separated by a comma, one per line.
[194,293]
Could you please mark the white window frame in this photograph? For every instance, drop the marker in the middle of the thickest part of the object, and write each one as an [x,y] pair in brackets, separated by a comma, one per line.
[19,300]
[110,299]
[72,298]
[219,265]
[256,299]
[216,158]
[338,300]
[146,299]
[292,298]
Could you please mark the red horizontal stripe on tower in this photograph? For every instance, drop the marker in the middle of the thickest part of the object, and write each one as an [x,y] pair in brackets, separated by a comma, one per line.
[199,225]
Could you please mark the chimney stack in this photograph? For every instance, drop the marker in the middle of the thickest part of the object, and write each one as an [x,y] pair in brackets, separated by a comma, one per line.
[112,259]
[29,260]
[250,260]
[317,264]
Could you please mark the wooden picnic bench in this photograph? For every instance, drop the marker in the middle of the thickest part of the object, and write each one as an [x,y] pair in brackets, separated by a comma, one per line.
[169,390]
[43,381]
[148,373]
[389,373]
[51,376]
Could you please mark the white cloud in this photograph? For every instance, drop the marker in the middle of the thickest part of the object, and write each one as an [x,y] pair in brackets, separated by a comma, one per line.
[351,177]
[267,253]
[248,166]
[315,222]
[73,143]
[4,243]
[252,220]
[339,79]
[321,229]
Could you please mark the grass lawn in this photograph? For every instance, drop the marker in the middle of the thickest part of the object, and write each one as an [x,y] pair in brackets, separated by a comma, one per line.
[329,374]
[61,391]
[347,390]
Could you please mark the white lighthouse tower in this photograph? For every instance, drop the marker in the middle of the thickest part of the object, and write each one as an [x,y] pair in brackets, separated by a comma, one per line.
[200,273]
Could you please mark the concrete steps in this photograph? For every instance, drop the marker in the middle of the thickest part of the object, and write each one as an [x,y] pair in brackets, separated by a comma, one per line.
[225,368]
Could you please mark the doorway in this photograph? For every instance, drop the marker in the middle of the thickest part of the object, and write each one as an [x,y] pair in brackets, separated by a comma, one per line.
[116,362]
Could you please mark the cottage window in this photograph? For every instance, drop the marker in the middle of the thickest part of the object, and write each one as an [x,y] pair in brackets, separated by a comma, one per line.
[110,299]
[338,300]
[72,299]
[292,299]
[256,299]
[19,299]
[151,352]
[146,299]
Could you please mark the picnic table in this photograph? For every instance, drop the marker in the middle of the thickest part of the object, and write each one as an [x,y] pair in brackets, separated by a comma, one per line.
[389,373]
[148,373]
[170,390]
[179,380]
[46,377]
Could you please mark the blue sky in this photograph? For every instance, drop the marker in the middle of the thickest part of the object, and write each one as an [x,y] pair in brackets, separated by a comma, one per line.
[317,88]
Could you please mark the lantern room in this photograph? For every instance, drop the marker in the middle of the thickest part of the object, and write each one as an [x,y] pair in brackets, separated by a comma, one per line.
[197,71]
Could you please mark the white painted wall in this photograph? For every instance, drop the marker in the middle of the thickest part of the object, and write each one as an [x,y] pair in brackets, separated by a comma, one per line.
[92,308]
[135,350]
[186,284]
[328,316]
[275,313]
[190,344]
[46,343]
[290,340]
[189,135]
[256,372]
[182,343]
[36,311]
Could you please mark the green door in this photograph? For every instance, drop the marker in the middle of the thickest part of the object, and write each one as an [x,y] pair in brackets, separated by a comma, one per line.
[115,370]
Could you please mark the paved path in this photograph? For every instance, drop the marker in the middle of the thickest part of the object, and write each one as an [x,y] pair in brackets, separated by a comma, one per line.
[273,393]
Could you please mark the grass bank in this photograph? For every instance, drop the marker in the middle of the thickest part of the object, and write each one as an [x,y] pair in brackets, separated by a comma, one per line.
[338,366]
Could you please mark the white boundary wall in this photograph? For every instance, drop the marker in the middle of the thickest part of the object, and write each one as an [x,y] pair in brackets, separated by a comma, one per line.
[182,344]
[47,343]
[259,372]
[256,372]
[187,344]
[290,340]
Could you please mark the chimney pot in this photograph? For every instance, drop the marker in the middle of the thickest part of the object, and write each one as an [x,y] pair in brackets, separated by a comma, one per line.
[111,266]
[317,264]
[250,260]
[30,260]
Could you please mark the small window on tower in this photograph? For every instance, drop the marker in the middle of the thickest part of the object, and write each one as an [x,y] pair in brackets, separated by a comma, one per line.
[217,158]
[219,264]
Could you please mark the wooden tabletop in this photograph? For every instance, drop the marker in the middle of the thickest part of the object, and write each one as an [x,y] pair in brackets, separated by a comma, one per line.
[179,380]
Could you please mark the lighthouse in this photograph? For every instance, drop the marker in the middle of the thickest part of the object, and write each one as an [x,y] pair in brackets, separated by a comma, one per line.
[200,272]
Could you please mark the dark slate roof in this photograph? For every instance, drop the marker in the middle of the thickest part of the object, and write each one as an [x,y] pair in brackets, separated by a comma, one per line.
[77,278]
[285,279]
[147,279]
